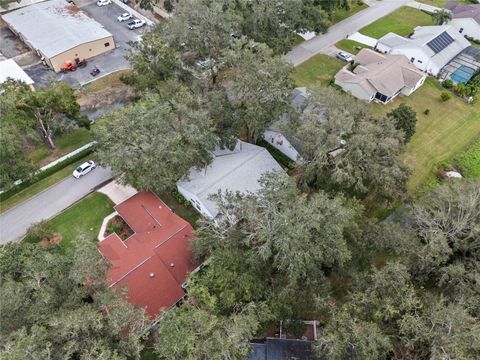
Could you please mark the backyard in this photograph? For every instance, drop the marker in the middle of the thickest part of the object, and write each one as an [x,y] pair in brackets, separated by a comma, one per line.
[85,217]
[402,22]
[447,129]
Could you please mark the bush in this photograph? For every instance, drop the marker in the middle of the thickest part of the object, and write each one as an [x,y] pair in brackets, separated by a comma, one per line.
[447,84]
[427,111]
[167,5]
[469,160]
[445,96]
[39,231]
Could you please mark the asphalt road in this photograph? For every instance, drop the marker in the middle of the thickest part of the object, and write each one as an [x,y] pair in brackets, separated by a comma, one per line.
[47,204]
[339,31]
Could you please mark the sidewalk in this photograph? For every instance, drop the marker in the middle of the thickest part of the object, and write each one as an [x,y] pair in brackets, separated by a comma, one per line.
[421,6]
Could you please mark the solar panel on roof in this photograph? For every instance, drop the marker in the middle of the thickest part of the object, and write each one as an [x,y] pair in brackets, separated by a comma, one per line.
[440,42]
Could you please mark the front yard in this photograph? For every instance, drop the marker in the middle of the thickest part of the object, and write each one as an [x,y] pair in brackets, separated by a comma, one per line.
[84,217]
[318,70]
[444,132]
[401,22]
[351,46]
[342,14]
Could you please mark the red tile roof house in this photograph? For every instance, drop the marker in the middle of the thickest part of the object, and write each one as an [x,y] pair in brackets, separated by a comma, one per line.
[154,262]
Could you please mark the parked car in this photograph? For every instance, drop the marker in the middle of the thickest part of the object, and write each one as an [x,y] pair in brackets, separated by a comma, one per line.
[125,17]
[104,2]
[345,57]
[84,169]
[135,24]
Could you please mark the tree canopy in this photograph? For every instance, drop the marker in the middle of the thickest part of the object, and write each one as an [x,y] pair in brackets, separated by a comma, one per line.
[157,140]
[57,306]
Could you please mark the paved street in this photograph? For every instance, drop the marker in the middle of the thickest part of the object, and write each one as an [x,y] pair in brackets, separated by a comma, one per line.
[45,205]
[339,31]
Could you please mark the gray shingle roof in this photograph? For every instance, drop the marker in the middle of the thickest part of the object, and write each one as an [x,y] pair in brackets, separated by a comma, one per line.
[237,171]
[464,11]
[55,26]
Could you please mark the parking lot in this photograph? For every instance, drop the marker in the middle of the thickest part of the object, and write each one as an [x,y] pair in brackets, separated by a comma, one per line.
[110,62]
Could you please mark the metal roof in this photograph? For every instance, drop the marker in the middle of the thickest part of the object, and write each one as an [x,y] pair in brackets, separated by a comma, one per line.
[10,69]
[54,26]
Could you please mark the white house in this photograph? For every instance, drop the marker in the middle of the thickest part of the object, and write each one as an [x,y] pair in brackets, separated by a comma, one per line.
[379,77]
[465,18]
[9,69]
[430,48]
[237,171]
[287,145]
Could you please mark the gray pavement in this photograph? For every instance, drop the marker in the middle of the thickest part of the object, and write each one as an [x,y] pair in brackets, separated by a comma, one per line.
[110,62]
[47,204]
[339,31]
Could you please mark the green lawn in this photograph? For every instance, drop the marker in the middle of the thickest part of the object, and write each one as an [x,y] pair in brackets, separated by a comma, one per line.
[449,127]
[84,217]
[319,69]
[351,46]
[441,3]
[401,22]
[342,14]
[39,186]
[42,154]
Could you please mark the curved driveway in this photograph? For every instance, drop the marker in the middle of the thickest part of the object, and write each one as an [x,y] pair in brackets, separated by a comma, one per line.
[45,205]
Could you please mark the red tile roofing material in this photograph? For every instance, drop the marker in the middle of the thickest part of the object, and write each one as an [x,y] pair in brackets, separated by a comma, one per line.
[154,262]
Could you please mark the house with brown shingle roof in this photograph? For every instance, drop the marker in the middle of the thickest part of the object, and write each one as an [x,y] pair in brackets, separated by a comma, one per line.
[465,18]
[379,77]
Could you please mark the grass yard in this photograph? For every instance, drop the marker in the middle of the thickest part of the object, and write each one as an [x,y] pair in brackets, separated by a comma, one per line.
[351,46]
[42,155]
[401,21]
[449,127]
[84,217]
[342,14]
[442,3]
[40,186]
[318,70]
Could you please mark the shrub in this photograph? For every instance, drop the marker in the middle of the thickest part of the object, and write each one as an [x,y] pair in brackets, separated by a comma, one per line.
[39,231]
[427,111]
[167,5]
[445,96]
[447,84]
[469,160]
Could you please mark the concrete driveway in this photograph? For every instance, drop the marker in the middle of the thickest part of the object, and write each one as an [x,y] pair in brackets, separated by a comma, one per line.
[15,222]
[110,62]
[321,43]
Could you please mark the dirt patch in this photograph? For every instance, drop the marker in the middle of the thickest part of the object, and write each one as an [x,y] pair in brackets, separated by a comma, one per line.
[54,240]
[120,227]
[91,101]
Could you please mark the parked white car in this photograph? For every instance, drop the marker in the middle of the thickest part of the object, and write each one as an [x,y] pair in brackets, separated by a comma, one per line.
[84,169]
[125,17]
[345,56]
[135,24]
[104,2]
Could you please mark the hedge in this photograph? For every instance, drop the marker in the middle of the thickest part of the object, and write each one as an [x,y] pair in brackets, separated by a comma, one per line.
[277,154]
[43,174]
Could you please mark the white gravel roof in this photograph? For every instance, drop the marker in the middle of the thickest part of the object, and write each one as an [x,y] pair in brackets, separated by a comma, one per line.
[237,171]
[54,26]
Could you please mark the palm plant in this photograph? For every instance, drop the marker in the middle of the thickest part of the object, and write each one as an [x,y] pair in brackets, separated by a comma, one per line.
[442,16]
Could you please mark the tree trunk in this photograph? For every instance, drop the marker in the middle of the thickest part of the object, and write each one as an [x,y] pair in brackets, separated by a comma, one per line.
[46,132]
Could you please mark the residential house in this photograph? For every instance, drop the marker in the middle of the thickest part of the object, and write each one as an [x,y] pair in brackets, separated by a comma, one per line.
[282,142]
[154,262]
[237,170]
[282,349]
[430,48]
[465,18]
[379,77]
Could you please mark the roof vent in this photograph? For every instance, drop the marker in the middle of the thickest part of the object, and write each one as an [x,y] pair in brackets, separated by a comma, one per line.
[172,264]
[152,275]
